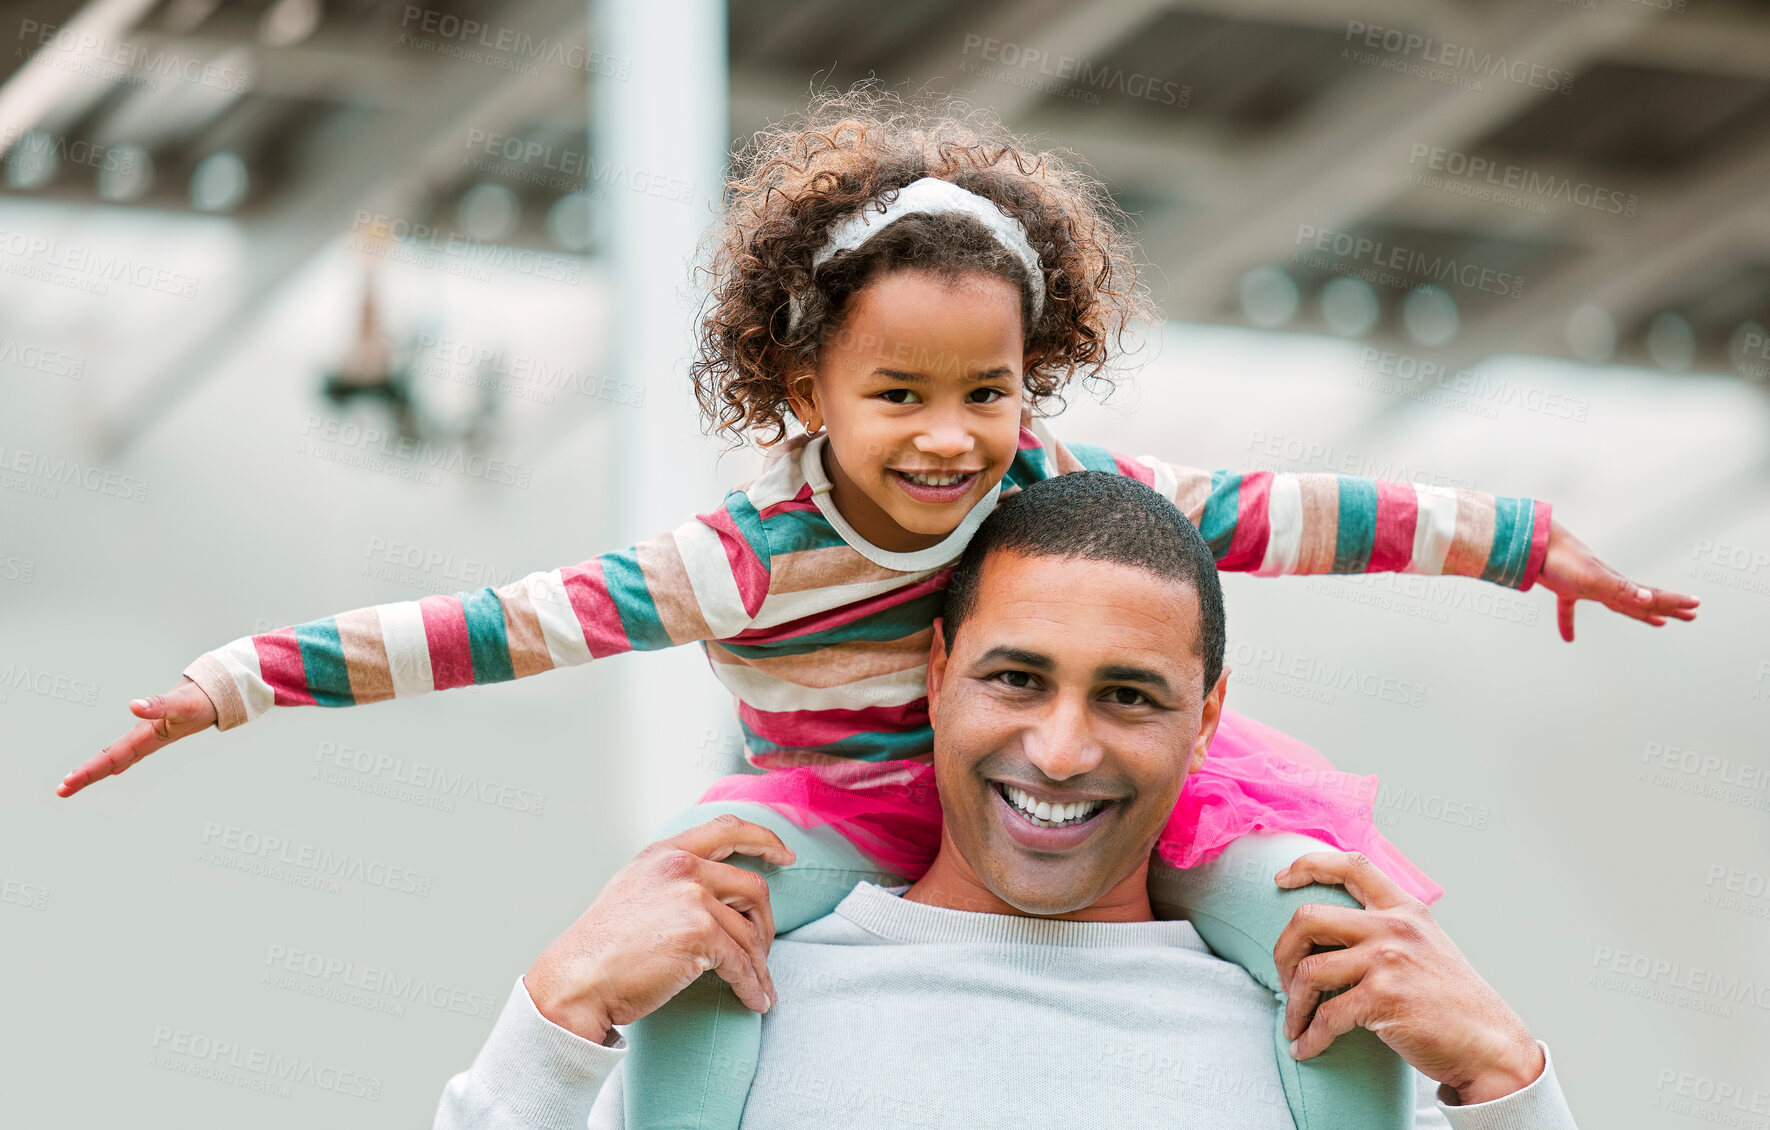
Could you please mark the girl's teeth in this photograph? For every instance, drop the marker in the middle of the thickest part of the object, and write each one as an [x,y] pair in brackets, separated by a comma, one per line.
[935,480]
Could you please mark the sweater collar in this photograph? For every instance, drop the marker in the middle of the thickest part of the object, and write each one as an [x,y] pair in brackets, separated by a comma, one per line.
[884,912]
[943,552]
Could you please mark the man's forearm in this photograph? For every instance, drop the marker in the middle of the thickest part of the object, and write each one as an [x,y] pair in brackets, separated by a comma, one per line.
[531,1074]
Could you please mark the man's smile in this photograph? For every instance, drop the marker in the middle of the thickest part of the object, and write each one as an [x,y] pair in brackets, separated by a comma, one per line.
[1048,822]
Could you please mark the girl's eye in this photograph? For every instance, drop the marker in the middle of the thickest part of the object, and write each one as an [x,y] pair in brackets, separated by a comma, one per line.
[987,395]
[899,396]
[1118,696]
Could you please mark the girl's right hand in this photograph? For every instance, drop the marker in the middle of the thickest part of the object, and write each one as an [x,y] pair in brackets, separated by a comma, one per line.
[180,712]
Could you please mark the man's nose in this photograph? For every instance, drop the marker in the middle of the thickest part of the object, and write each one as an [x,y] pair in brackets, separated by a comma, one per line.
[1062,743]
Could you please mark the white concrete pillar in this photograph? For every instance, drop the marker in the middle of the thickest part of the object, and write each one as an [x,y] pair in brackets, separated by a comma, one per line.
[659,136]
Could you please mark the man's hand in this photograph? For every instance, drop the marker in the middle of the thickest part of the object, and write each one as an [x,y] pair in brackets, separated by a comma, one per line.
[1574,573]
[180,712]
[1404,980]
[663,920]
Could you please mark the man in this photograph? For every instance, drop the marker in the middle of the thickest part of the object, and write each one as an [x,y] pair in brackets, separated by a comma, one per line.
[1025,976]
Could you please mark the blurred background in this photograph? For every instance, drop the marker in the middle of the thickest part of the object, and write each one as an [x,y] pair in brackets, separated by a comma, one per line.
[312,304]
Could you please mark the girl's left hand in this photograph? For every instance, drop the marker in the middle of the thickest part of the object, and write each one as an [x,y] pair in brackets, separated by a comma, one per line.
[1574,573]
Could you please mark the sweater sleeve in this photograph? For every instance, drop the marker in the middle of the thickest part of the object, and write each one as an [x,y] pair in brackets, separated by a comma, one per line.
[1273,523]
[1540,1106]
[530,1075]
[703,580]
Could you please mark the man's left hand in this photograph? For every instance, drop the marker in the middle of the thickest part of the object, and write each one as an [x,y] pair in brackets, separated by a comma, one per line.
[1403,979]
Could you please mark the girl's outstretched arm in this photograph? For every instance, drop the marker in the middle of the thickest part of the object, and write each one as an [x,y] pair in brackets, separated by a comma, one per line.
[703,580]
[1275,523]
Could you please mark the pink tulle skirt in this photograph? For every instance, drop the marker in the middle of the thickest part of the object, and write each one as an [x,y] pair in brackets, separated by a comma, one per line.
[1255,779]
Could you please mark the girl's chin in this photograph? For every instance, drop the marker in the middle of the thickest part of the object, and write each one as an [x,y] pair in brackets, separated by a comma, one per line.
[930,521]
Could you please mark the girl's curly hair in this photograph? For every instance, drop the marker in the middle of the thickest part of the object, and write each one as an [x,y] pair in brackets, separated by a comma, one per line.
[797,179]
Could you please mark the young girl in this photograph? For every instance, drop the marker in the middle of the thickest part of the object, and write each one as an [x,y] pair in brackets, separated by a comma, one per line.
[913,285]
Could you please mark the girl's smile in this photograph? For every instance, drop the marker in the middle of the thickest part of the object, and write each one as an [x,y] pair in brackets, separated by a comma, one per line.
[936,486]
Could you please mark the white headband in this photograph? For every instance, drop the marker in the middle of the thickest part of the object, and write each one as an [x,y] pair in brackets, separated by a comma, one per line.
[931,194]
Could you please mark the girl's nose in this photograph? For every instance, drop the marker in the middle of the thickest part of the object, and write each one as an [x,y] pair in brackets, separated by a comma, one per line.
[945,442]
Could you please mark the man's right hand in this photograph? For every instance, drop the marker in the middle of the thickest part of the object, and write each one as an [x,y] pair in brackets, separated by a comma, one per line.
[180,712]
[663,920]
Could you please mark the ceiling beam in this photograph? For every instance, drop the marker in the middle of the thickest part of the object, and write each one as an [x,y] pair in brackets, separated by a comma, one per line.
[1702,218]
[49,83]
[1704,45]
[333,68]
[1344,158]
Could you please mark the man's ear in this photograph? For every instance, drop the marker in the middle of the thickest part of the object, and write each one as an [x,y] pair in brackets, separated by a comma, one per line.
[936,665]
[1207,724]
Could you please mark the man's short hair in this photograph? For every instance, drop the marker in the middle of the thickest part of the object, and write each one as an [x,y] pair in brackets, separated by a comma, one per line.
[1097,516]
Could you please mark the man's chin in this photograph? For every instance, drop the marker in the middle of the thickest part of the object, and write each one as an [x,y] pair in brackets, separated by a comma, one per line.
[1046,894]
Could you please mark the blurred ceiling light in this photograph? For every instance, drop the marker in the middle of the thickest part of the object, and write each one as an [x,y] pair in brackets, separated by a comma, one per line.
[1430,315]
[488,212]
[32,162]
[1591,334]
[1349,306]
[1671,342]
[184,15]
[1269,297]
[219,182]
[127,174]
[568,222]
[288,22]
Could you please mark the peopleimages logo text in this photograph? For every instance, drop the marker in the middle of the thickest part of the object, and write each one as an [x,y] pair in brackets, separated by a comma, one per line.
[1457,57]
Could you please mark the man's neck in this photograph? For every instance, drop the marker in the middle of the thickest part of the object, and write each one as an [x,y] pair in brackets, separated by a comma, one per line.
[952,882]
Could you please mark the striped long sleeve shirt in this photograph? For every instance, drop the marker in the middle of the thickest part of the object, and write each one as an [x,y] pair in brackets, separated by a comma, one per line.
[821,637]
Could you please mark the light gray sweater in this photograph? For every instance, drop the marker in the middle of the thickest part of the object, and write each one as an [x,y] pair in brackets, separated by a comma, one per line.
[895,1012]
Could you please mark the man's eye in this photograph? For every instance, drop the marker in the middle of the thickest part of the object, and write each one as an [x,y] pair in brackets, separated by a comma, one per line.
[1118,696]
[1019,680]
[899,396]
[987,395]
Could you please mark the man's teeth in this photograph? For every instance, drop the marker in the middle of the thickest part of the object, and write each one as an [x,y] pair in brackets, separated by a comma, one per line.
[933,480]
[1048,815]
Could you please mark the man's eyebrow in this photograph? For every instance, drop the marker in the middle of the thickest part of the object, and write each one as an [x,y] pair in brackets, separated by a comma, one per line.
[1016,655]
[1121,673]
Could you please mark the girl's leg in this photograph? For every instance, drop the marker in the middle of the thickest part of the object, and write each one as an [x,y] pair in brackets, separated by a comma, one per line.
[1358,1083]
[690,1063]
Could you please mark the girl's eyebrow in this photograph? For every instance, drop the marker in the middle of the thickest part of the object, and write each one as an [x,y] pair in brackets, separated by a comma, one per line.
[908,377]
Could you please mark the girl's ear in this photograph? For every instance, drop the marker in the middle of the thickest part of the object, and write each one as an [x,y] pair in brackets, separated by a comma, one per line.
[802,396]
